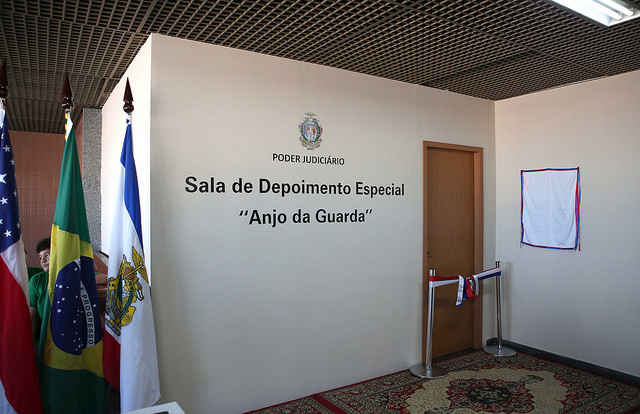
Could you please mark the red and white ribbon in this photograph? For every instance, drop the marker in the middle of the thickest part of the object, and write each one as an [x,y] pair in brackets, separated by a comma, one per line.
[468,288]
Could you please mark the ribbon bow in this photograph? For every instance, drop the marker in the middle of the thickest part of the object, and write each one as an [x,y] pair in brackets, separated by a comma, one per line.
[466,289]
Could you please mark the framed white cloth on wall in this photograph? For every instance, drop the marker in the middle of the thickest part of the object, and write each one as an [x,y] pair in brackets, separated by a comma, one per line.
[550,208]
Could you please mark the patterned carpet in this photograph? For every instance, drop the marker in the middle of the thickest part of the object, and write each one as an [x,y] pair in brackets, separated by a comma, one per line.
[477,383]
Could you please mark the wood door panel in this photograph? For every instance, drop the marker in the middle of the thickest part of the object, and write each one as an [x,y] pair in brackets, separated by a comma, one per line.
[450,211]
[451,242]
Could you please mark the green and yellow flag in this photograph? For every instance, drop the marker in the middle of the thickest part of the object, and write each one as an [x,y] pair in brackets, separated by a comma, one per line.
[72,379]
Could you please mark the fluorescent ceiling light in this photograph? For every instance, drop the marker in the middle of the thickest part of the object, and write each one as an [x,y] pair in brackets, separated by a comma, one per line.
[622,8]
[606,12]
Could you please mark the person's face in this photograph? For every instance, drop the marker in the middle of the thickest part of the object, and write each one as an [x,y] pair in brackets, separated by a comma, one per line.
[44,259]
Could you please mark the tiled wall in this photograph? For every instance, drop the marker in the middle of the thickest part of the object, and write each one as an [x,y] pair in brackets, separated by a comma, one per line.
[38,157]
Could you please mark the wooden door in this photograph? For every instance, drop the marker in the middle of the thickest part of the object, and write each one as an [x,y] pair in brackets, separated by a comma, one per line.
[452,242]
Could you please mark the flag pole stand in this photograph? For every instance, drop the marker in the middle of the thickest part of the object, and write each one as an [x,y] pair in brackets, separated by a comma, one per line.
[428,371]
[499,350]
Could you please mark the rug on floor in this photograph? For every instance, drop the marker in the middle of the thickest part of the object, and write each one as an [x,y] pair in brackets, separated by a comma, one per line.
[480,383]
[308,405]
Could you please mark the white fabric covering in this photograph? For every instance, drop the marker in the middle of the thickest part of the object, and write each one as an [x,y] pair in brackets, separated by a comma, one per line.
[550,201]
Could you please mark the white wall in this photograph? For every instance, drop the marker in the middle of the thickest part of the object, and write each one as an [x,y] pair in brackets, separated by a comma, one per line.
[113,130]
[250,315]
[581,304]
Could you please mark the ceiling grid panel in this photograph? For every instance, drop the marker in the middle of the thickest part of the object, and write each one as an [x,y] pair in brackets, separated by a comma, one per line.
[491,49]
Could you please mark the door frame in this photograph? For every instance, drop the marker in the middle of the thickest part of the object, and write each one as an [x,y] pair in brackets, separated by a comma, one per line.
[478,234]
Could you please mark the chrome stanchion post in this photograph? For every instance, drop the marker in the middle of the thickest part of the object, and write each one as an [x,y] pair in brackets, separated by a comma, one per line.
[428,371]
[499,350]
[499,306]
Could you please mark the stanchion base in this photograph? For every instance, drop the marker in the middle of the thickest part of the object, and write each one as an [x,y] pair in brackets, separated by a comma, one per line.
[497,351]
[422,371]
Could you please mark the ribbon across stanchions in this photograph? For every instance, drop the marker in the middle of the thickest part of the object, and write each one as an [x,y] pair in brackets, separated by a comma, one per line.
[469,287]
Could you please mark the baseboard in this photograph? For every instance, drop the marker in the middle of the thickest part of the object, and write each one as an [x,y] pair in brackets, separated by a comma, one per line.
[586,366]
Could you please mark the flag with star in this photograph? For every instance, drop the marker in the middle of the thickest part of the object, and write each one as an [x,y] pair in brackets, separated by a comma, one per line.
[72,378]
[19,391]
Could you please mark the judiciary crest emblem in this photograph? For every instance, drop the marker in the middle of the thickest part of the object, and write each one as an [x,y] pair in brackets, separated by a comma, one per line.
[124,290]
[310,131]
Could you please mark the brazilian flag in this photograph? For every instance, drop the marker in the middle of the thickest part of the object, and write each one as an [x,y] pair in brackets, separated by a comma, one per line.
[71,377]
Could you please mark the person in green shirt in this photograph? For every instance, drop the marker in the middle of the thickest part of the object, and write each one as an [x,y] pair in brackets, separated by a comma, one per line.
[38,288]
